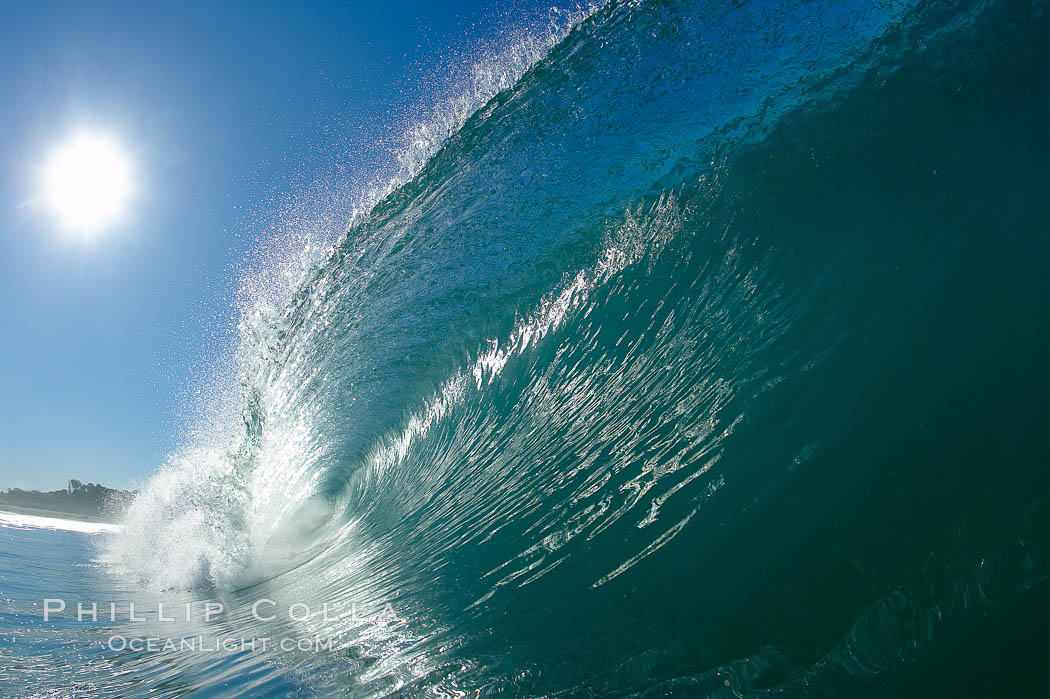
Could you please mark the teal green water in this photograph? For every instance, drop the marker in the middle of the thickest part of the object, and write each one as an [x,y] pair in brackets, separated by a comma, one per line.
[707,359]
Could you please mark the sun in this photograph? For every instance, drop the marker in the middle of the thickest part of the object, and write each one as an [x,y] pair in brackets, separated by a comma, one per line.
[87,182]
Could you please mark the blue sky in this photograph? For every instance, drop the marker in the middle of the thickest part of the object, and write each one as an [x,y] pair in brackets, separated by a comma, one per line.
[229,111]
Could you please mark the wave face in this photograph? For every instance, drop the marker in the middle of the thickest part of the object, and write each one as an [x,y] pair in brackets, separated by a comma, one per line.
[708,356]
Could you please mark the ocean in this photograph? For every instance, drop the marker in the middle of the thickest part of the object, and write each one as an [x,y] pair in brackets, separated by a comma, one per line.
[705,354]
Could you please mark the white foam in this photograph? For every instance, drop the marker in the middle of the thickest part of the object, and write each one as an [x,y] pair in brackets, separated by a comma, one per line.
[11,519]
[222,502]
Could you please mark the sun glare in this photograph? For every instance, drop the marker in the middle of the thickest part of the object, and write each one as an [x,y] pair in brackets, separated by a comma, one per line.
[87,182]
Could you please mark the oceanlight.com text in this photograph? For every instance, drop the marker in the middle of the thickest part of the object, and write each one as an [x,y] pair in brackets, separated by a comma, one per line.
[199,644]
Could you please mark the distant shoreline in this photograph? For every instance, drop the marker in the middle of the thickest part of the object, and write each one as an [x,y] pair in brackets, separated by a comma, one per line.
[78,502]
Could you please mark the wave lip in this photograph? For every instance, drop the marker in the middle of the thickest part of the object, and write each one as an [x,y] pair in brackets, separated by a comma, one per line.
[220,508]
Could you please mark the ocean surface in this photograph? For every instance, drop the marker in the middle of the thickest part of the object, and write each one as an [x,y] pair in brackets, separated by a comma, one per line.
[702,352]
